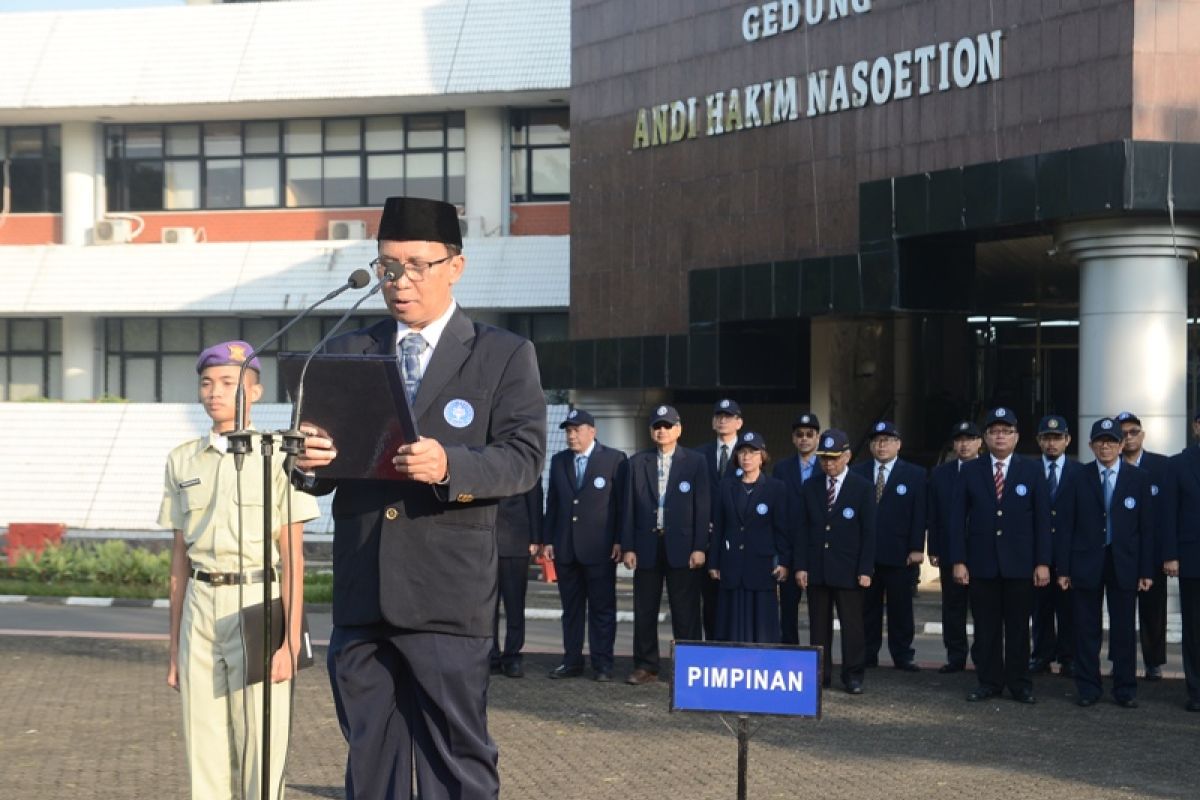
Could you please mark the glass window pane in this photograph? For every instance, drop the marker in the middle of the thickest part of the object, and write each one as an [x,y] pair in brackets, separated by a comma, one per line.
[302,136]
[262,137]
[114,141]
[551,170]
[3,147]
[181,335]
[385,178]
[342,183]
[25,143]
[549,126]
[456,130]
[112,376]
[182,184]
[303,182]
[423,176]
[3,339]
[28,178]
[224,183]
[179,379]
[269,376]
[140,381]
[54,391]
[112,335]
[219,329]
[28,334]
[456,178]
[549,327]
[262,182]
[342,134]
[143,141]
[145,185]
[139,334]
[304,334]
[385,133]
[26,380]
[55,326]
[426,131]
[259,330]
[3,378]
[222,139]
[183,140]
[520,189]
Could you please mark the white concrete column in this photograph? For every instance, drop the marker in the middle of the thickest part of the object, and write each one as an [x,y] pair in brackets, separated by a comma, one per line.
[80,157]
[622,415]
[80,360]
[1133,323]
[487,192]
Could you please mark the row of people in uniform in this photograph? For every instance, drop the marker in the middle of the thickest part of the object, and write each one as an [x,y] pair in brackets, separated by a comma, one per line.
[738,570]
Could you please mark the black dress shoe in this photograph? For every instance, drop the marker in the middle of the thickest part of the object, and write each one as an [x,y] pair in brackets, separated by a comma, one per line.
[907,666]
[982,693]
[513,670]
[871,662]
[563,671]
[1085,702]
[1192,705]
[1126,702]
[603,676]
[949,669]
[1038,665]
[853,687]
[497,668]
[1025,696]
[1154,673]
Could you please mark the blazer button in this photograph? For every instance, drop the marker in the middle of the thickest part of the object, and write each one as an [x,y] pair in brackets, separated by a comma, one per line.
[391,514]
[828,527]
[1053,513]
[465,498]
[741,547]
[998,533]
[827,545]
[999,512]
[574,519]
[575,501]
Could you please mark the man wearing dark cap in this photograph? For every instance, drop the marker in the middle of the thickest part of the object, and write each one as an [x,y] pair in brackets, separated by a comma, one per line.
[834,556]
[414,559]
[1053,635]
[212,507]
[726,422]
[999,543]
[518,536]
[794,471]
[942,482]
[1181,554]
[1152,603]
[1105,551]
[899,545]
[665,536]
[585,508]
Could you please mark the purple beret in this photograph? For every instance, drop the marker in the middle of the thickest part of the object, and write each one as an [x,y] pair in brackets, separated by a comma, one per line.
[227,354]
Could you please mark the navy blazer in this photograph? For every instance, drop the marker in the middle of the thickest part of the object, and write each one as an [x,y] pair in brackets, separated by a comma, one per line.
[836,546]
[938,498]
[1157,466]
[900,521]
[1079,548]
[709,451]
[583,524]
[1060,501]
[1005,539]
[747,546]
[687,508]
[519,522]
[1181,519]
[424,557]
[788,471]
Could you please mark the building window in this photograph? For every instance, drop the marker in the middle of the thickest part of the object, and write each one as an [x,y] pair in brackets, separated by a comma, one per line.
[152,360]
[543,326]
[32,161]
[541,154]
[296,163]
[30,359]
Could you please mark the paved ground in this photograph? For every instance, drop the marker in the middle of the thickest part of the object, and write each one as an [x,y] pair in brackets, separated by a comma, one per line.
[91,718]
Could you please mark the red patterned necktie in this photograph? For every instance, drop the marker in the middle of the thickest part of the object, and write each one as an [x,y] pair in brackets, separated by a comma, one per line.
[831,494]
[999,480]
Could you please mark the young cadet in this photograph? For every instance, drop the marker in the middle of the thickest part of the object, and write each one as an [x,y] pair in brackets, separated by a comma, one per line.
[213,574]
[999,543]
[834,556]
[1152,603]
[1051,604]
[1181,554]
[899,544]
[751,548]
[726,422]
[794,471]
[966,441]
[665,539]
[1105,551]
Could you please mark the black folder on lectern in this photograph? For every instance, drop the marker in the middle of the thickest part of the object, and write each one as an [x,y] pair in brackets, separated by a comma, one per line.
[358,401]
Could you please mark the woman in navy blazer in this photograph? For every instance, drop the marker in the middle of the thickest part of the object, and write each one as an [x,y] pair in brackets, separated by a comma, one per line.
[751,549]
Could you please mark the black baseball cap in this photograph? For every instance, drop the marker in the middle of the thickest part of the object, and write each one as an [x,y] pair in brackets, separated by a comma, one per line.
[664,414]
[806,420]
[1105,428]
[577,416]
[1053,423]
[833,442]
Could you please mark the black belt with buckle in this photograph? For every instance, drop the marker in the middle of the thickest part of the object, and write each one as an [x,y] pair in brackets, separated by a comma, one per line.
[231,578]
[660,531]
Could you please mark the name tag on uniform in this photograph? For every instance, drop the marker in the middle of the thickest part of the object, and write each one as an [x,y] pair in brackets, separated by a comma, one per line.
[685,487]
[902,489]
[192,482]
[1130,503]
[1021,490]
[848,513]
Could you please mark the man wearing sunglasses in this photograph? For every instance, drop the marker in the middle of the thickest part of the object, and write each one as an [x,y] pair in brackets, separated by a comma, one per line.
[794,471]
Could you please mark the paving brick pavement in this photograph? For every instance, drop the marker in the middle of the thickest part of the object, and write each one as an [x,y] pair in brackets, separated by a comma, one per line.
[92,718]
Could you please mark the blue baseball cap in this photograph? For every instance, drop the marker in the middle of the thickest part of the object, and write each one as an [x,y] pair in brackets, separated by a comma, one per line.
[750,439]
[1053,423]
[833,442]
[577,416]
[1105,428]
[1000,416]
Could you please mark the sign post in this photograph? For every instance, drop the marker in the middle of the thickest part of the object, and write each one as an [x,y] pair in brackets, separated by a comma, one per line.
[745,679]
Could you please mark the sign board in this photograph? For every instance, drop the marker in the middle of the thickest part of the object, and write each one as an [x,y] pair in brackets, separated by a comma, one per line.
[747,678]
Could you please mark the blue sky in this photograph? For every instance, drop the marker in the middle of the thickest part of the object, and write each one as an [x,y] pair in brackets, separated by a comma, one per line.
[68,5]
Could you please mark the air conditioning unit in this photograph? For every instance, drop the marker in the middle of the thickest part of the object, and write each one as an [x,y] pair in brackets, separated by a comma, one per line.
[112,231]
[347,229]
[178,235]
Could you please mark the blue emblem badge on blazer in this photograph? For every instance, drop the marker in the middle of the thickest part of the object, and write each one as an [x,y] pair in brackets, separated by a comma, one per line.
[458,413]
[902,489]
[1154,490]
[762,509]
[685,487]
[1021,490]
[1130,503]
[599,483]
[848,513]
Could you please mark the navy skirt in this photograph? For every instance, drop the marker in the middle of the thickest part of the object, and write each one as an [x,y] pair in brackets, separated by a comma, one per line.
[744,615]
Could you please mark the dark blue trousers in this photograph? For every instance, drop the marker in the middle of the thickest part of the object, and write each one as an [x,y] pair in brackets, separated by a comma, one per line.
[1087,606]
[410,698]
[895,585]
[588,591]
[514,581]
[1053,633]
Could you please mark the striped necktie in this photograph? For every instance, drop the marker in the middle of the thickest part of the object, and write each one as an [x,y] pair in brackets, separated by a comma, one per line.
[411,348]
[999,481]
[880,482]
[831,494]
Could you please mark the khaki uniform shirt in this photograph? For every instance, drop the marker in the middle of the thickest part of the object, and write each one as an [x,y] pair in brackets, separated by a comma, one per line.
[200,498]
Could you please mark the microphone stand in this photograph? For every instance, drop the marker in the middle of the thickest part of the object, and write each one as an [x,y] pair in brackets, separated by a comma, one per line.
[239,446]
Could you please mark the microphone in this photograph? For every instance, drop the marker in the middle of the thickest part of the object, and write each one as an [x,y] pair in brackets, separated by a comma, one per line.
[387,276]
[239,440]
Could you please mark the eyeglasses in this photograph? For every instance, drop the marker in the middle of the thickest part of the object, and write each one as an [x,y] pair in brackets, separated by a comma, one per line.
[414,270]
[1132,433]
[662,426]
